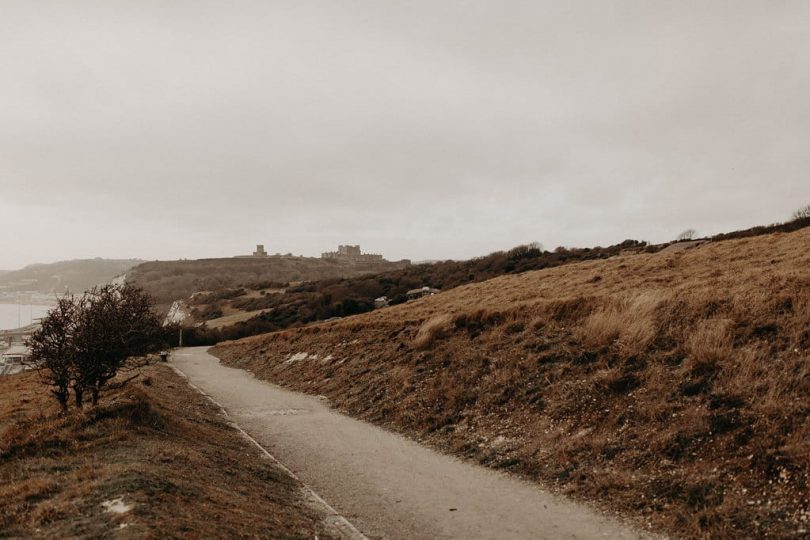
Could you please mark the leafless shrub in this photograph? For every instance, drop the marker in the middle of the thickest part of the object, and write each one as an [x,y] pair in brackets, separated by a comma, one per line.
[688,234]
[84,342]
[114,324]
[53,351]
[802,213]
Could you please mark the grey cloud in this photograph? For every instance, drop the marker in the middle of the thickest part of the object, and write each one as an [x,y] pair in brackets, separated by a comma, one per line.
[419,129]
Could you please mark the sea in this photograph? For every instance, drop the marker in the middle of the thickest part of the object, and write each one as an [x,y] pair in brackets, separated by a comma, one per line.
[17,315]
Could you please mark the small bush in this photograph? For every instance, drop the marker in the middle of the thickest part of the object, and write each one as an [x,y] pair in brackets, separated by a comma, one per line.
[85,341]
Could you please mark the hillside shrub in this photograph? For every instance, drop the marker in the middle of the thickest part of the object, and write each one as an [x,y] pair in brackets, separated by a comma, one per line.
[86,341]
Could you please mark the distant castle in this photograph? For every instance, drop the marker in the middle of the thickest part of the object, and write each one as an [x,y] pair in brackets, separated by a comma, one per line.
[346,254]
[352,254]
[259,253]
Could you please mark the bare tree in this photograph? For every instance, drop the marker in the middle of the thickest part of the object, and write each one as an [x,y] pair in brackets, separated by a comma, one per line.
[84,343]
[53,350]
[115,326]
[688,234]
[802,213]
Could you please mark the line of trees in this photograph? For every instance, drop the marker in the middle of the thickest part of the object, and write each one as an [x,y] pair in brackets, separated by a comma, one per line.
[84,342]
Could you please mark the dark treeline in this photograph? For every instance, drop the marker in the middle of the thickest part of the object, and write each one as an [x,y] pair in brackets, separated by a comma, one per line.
[790,226]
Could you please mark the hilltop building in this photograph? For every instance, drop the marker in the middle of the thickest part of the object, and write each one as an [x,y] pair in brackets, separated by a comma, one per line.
[352,254]
[16,354]
[259,253]
[15,359]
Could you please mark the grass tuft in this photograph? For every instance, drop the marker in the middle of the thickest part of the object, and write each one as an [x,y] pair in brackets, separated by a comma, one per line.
[432,330]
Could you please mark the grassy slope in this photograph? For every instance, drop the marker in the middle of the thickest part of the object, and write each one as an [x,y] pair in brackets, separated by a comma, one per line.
[163,447]
[327,298]
[674,388]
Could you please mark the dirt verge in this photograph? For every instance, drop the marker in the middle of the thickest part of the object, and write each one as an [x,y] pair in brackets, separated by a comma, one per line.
[155,459]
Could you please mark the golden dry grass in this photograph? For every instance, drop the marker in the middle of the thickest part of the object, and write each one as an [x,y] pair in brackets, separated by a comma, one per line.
[673,387]
[163,448]
[431,330]
[626,322]
[233,318]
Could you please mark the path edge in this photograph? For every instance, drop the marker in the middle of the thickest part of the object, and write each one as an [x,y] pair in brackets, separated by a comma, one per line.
[334,520]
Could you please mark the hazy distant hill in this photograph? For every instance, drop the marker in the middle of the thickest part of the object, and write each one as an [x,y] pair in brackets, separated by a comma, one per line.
[76,275]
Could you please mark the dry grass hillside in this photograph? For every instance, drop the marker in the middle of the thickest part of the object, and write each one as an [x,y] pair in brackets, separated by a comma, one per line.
[673,388]
[154,460]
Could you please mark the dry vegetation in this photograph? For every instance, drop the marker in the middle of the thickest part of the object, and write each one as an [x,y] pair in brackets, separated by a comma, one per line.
[287,305]
[267,306]
[168,281]
[160,447]
[674,388]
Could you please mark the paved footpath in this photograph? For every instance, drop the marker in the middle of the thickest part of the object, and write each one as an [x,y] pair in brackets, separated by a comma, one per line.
[384,484]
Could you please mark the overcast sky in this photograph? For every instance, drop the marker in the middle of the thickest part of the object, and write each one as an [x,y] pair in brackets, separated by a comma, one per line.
[418,129]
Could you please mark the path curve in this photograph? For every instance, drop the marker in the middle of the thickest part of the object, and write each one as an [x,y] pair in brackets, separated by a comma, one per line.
[386,485]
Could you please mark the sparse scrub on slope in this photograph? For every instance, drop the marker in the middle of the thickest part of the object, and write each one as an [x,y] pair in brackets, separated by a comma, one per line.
[160,447]
[676,387]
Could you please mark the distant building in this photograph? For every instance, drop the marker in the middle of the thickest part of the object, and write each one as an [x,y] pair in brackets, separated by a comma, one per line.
[15,355]
[14,360]
[259,253]
[352,254]
[424,291]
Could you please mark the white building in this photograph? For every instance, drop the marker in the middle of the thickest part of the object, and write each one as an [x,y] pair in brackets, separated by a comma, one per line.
[15,355]
[14,360]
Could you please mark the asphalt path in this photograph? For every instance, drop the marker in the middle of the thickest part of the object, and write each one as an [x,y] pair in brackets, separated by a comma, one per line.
[388,486]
